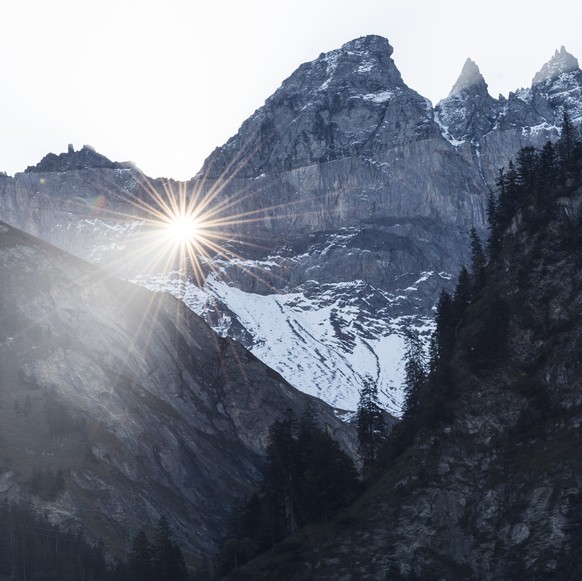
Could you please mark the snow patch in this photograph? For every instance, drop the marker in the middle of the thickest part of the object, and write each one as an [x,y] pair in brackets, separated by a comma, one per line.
[365,67]
[331,60]
[380,97]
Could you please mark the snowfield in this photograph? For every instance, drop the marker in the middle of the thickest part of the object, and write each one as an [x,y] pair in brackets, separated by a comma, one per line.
[322,345]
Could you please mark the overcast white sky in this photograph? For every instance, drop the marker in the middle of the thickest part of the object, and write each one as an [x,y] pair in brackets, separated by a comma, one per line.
[164,82]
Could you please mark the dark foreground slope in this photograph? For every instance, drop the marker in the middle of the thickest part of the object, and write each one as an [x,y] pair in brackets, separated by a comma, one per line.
[138,406]
[489,486]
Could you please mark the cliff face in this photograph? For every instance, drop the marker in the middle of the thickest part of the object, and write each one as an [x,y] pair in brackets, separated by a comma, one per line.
[141,405]
[346,191]
[344,142]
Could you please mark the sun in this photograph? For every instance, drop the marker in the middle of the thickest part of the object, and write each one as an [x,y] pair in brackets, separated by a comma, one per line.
[183,228]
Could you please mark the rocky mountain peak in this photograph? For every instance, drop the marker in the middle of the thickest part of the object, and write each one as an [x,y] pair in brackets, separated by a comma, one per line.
[85,158]
[470,79]
[361,64]
[468,110]
[330,108]
[561,62]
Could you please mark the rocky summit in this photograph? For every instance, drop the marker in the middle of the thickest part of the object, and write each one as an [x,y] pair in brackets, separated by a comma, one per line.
[344,202]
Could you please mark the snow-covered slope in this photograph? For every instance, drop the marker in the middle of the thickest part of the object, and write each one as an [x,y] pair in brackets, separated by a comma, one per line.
[326,340]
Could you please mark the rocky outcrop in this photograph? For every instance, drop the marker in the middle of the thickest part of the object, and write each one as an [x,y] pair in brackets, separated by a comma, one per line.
[86,158]
[141,405]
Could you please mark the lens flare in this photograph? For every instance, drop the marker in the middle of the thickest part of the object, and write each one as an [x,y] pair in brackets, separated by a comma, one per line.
[183,229]
[186,228]
[170,236]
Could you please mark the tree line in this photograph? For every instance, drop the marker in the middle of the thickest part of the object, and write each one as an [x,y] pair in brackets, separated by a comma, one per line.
[528,192]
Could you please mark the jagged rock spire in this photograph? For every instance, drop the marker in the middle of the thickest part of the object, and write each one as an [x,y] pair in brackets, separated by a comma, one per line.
[467,111]
[469,79]
[561,62]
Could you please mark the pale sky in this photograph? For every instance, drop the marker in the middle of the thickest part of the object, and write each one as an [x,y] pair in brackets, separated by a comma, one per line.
[164,82]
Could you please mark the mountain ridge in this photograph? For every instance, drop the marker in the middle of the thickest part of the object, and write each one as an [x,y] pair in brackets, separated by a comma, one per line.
[361,180]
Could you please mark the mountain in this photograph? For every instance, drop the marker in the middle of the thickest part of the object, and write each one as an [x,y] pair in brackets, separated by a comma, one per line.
[140,406]
[343,204]
[483,477]
[336,215]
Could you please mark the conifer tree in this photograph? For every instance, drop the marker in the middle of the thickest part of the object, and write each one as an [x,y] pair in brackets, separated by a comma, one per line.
[168,561]
[494,221]
[141,558]
[509,194]
[371,426]
[566,143]
[547,174]
[328,478]
[527,165]
[280,485]
[478,259]
[444,334]
[415,373]
[463,295]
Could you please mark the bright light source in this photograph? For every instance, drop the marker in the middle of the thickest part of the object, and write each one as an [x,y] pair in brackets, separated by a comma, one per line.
[183,229]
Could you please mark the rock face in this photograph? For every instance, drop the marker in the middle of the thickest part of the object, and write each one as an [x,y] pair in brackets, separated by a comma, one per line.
[141,405]
[347,198]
